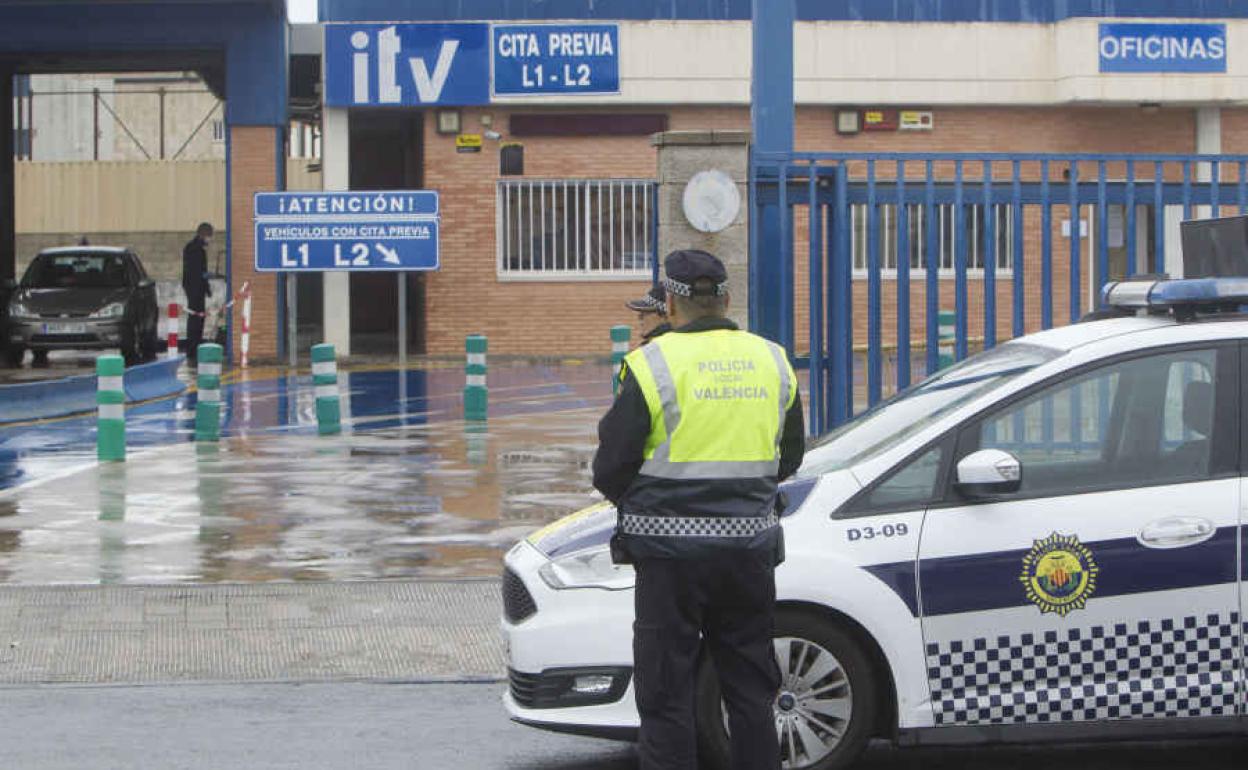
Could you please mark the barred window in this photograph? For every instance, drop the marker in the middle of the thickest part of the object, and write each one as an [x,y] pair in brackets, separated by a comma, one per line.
[575,228]
[945,225]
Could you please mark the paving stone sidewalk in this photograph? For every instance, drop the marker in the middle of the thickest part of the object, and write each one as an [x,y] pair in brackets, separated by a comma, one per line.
[277,632]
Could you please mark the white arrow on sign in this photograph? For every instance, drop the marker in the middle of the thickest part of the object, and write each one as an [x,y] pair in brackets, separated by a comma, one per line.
[389,255]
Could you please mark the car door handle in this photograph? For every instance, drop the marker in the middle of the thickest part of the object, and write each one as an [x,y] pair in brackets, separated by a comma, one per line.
[1176,532]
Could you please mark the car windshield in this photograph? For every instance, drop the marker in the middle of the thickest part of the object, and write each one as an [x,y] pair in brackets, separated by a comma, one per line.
[912,410]
[67,271]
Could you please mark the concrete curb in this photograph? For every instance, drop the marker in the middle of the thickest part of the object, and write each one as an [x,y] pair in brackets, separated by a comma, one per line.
[74,395]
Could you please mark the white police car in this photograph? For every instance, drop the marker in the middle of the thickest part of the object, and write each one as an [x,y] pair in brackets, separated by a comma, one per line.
[1042,542]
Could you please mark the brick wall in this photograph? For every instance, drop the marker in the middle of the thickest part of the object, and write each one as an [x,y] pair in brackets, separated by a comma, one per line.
[253,169]
[554,317]
[526,317]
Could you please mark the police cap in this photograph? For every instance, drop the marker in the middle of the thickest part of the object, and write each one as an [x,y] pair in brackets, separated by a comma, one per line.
[685,268]
[654,301]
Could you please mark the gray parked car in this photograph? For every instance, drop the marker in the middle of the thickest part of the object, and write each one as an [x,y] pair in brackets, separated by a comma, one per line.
[83,297]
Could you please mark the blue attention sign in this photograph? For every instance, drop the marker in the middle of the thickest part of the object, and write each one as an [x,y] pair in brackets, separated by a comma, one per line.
[406,65]
[1163,47]
[319,231]
[556,59]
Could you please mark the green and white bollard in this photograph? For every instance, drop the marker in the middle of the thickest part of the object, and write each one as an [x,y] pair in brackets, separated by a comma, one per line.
[208,404]
[476,394]
[619,349]
[111,398]
[947,330]
[325,379]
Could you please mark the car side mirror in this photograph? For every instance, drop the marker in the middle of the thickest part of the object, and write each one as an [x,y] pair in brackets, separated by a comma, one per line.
[989,472]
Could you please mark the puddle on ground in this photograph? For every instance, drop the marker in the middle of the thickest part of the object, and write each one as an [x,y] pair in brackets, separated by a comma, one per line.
[409,491]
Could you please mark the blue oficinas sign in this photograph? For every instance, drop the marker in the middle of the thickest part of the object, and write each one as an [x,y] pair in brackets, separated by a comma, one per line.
[1163,48]
[534,59]
[406,65]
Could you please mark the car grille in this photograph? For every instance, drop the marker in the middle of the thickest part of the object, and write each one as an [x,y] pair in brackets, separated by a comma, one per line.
[524,688]
[63,339]
[518,604]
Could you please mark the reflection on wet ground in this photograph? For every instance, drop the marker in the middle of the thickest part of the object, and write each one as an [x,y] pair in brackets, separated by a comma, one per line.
[409,490]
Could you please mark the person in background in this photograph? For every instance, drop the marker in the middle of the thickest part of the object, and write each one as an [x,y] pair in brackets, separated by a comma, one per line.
[195,284]
[651,314]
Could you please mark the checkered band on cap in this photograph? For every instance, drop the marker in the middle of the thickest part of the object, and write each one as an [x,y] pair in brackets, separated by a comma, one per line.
[695,526]
[1171,668]
[685,290]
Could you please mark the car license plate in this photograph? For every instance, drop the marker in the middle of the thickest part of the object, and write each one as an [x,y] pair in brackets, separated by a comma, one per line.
[64,328]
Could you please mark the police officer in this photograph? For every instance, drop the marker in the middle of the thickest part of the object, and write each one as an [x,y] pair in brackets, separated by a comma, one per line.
[651,314]
[707,422]
[195,284]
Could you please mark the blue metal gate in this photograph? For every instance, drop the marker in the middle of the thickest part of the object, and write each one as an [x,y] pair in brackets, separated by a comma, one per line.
[974,234]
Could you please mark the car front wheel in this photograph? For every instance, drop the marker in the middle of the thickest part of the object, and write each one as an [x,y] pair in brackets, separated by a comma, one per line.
[827,704]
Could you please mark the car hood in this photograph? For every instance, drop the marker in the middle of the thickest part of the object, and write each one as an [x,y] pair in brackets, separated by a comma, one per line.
[70,301]
[593,527]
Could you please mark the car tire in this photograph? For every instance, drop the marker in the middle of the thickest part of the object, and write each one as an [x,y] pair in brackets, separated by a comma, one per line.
[850,684]
[14,356]
[39,358]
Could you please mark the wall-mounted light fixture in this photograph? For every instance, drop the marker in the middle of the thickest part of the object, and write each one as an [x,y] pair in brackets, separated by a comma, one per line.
[448,122]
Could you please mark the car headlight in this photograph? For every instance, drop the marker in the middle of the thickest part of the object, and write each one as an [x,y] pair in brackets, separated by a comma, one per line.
[591,568]
[111,310]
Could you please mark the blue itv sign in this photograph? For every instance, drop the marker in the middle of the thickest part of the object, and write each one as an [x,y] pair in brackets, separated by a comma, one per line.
[535,59]
[347,231]
[1136,47]
[407,65]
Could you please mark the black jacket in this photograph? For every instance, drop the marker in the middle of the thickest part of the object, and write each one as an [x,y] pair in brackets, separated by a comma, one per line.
[194,273]
[622,434]
[656,332]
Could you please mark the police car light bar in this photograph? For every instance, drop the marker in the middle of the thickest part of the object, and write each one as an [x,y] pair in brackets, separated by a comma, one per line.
[1191,293]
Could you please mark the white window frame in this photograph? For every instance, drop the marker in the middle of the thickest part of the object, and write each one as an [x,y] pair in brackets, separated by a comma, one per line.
[918,241]
[584,218]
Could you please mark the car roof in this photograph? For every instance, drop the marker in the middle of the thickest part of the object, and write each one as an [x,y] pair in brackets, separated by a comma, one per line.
[1067,338]
[86,250]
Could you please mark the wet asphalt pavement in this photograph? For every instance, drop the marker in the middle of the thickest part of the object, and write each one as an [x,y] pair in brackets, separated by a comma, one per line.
[379,726]
[407,491]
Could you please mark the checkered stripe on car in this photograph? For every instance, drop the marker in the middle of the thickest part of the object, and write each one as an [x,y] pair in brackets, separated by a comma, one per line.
[1153,668]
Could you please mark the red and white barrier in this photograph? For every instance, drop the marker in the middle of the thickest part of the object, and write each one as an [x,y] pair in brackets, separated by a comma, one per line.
[245,337]
[172,329]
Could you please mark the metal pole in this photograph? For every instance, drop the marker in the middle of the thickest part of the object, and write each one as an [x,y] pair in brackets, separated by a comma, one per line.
[30,120]
[8,205]
[772,111]
[161,94]
[772,116]
[21,121]
[402,321]
[292,318]
[95,123]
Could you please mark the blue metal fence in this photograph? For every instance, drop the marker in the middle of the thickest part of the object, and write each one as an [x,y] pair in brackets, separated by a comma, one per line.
[968,222]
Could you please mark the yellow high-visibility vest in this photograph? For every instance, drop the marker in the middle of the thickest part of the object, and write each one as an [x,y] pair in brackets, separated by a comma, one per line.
[717,404]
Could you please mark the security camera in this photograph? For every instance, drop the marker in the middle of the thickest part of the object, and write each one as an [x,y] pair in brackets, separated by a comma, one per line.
[493,136]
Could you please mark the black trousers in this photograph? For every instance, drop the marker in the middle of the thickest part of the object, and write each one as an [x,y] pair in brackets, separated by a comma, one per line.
[728,603]
[194,329]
